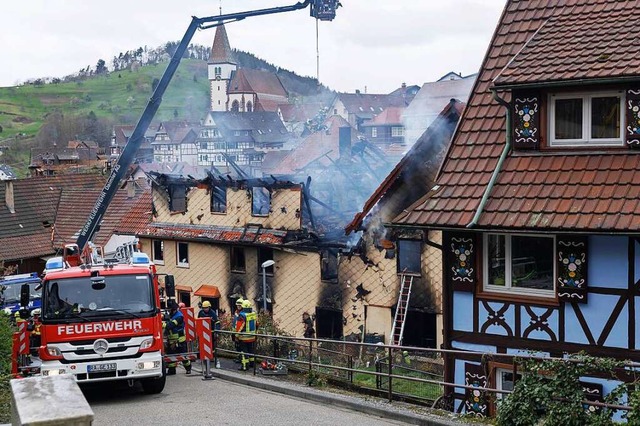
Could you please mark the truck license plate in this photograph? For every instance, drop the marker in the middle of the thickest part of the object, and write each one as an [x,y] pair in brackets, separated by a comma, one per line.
[101,367]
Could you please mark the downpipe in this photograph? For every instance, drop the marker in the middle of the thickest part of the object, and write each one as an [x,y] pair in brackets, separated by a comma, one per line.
[494,176]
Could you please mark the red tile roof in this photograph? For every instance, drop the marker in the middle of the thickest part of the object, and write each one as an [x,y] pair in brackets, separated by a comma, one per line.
[315,146]
[221,49]
[391,115]
[247,80]
[36,203]
[596,191]
[589,40]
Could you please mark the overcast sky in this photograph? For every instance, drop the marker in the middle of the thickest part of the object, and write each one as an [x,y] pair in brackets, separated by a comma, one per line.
[377,44]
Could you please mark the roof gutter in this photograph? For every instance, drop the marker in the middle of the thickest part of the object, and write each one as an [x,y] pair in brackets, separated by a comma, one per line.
[494,176]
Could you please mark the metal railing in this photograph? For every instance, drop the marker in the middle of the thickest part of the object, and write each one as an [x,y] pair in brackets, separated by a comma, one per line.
[396,372]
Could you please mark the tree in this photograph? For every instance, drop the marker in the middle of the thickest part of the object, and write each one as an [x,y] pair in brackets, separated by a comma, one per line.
[101,67]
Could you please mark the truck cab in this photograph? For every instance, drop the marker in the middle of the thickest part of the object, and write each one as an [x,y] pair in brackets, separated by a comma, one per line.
[102,323]
[10,288]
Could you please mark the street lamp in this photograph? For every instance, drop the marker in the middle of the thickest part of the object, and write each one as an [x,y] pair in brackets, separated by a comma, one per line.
[265,265]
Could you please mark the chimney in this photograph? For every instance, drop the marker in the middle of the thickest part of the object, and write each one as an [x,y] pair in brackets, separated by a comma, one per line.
[357,91]
[345,143]
[8,196]
[404,85]
[131,188]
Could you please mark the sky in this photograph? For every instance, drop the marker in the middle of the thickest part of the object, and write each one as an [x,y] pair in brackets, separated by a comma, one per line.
[372,45]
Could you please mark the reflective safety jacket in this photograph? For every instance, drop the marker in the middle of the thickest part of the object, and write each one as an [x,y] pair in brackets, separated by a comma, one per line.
[215,324]
[175,328]
[247,323]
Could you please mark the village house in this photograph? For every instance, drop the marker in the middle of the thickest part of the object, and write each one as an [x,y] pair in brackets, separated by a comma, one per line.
[175,141]
[76,157]
[120,136]
[537,199]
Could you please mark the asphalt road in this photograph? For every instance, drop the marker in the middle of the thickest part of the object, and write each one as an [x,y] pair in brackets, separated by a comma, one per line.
[190,400]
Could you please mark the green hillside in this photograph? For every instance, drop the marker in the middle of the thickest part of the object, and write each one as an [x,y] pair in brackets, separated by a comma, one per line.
[119,96]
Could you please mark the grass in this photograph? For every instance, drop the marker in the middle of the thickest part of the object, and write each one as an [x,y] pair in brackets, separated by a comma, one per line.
[118,95]
[428,391]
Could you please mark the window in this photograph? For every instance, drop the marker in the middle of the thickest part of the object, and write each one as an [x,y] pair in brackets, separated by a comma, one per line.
[409,253]
[178,198]
[260,201]
[235,106]
[249,106]
[328,266]
[265,254]
[218,199]
[374,132]
[184,297]
[519,263]
[505,381]
[397,132]
[237,260]
[158,252]
[204,145]
[182,255]
[586,119]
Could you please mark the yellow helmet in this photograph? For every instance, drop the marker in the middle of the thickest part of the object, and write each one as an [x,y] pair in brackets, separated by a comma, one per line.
[206,304]
[240,301]
[246,304]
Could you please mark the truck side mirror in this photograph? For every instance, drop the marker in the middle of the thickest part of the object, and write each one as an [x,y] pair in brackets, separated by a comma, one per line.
[170,286]
[25,294]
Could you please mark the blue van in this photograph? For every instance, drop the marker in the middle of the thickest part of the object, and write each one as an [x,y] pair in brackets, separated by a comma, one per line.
[10,291]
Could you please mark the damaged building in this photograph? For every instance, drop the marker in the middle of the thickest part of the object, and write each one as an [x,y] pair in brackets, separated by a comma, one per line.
[392,280]
[215,234]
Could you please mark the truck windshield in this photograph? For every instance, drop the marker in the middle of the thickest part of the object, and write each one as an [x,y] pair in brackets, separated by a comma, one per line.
[116,295]
[11,293]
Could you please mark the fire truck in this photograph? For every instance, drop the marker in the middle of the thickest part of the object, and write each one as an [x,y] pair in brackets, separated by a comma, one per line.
[102,320]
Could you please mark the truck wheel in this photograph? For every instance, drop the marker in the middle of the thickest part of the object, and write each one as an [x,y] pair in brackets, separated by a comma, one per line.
[154,386]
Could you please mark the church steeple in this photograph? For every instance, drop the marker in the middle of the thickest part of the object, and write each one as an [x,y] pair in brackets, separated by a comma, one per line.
[222,65]
[221,50]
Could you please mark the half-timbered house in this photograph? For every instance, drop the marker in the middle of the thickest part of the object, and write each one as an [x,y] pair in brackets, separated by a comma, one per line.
[538,195]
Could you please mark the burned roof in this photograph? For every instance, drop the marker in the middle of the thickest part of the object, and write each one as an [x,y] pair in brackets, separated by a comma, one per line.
[242,235]
[417,168]
[560,191]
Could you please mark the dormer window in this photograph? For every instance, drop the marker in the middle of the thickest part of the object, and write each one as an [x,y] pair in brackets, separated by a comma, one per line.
[591,119]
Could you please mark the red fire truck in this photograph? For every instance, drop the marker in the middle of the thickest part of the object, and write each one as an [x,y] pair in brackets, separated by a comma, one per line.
[102,322]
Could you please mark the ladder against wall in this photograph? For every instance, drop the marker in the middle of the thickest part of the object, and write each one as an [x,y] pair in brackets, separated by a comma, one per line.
[400,318]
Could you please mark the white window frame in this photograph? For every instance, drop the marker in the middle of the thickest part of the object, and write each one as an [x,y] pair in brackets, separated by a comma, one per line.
[153,252]
[374,132]
[500,383]
[179,263]
[586,119]
[508,288]
[397,131]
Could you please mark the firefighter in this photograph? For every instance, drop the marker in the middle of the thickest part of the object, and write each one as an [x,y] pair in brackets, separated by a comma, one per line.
[207,311]
[34,328]
[246,327]
[176,339]
[234,321]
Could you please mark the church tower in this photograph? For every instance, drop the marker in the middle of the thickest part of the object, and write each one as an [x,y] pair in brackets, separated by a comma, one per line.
[221,67]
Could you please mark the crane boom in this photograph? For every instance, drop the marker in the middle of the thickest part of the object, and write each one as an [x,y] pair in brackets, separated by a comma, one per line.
[320,9]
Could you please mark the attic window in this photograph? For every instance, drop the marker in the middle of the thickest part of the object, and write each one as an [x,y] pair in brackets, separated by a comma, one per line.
[178,198]
[46,224]
[372,110]
[260,201]
[328,266]
[361,109]
[593,119]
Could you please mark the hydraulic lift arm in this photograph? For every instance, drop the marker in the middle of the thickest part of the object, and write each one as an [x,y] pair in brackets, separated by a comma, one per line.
[324,10]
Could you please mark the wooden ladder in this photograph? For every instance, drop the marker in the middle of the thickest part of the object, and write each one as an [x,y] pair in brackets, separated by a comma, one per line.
[397,328]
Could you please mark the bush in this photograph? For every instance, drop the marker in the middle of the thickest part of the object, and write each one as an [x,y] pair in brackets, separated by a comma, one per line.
[5,368]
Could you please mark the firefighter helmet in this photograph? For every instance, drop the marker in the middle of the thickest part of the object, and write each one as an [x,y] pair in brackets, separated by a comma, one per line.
[246,304]
[35,312]
[206,304]
[239,301]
